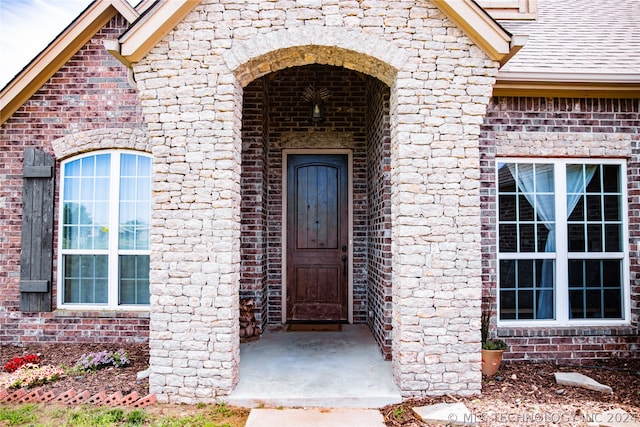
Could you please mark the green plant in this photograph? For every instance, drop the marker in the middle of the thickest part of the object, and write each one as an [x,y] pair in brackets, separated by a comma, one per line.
[485,322]
[398,413]
[494,345]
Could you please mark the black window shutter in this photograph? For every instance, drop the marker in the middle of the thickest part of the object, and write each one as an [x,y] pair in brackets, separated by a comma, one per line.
[36,256]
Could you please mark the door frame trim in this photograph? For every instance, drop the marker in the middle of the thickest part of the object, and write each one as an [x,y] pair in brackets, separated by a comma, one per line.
[285,174]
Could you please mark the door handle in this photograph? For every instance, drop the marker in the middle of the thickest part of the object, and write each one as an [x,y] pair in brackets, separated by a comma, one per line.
[344,265]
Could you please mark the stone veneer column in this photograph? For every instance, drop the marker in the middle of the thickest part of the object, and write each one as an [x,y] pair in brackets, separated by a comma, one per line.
[193,116]
[436,112]
[192,101]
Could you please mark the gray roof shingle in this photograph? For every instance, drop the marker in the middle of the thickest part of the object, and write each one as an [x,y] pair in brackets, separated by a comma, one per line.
[579,36]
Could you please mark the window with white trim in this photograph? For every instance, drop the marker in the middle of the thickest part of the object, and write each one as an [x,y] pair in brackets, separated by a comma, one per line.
[104,230]
[562,244]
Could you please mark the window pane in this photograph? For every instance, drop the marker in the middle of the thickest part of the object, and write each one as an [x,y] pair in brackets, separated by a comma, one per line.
[506,182]
[127,188]
[612,304]
[594,208]
[507,305]
[527,289]
[595,289]
[594,237]
[576,302]
[527,238]
[593,302]
[86,209]
[103,165]
[508,238]
[135,202]
[611,178]
[69,237]
[576,237]
[72,169]
[612,208]
[525,304]
[134,279]
[577,214]
[525,273]
[544,244]
[528,201]
[576,273]
[71,188]
[85,279]
[594,185]
[526,212]
[592,273]
[611,274]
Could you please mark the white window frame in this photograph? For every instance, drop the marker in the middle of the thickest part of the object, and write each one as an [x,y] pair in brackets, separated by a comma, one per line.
[561,255]
[113,252]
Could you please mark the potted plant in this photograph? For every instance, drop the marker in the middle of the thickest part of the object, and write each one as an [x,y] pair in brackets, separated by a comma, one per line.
[491,349]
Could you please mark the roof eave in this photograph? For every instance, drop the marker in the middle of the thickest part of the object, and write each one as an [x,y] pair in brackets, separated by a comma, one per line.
[498,44]
[54,56]
[141,37]
[574,85]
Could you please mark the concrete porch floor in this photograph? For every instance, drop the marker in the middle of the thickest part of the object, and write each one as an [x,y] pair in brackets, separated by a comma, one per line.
[314,369]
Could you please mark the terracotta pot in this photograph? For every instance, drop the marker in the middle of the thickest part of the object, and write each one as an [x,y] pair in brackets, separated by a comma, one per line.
[491,361]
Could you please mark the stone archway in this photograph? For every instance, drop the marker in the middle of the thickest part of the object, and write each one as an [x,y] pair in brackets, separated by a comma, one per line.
[440,86]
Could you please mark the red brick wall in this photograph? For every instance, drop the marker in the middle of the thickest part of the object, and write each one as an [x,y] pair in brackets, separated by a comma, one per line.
[344,113]
[574,344]
[274,108]
[253,241]
[379,240]
[90,92]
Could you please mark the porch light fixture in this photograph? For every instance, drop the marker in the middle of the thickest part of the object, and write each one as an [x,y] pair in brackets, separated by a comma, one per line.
[316,99]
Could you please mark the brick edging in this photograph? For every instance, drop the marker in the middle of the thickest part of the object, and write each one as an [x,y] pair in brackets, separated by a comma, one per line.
[73,397]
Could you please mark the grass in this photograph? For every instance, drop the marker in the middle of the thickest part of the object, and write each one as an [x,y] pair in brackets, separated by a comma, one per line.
[219,415]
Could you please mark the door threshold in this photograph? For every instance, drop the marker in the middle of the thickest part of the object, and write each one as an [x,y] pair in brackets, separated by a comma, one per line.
[313,327]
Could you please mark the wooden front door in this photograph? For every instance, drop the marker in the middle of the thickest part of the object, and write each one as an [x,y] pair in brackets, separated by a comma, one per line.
[317,237]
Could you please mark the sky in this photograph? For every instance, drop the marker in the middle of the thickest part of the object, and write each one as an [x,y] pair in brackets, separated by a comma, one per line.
[28,26]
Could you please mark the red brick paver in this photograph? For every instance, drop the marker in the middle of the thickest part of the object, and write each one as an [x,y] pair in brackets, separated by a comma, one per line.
[72,397]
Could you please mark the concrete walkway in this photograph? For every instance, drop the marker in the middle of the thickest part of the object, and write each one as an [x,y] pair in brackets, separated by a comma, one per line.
[314,369]
[315,418]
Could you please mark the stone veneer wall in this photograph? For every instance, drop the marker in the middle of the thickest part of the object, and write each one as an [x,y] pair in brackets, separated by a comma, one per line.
[191,91]
[545,128]
[86,105]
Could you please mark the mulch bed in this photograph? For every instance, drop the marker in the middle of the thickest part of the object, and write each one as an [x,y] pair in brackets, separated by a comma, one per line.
[521,393]
[110,379]
[527,394]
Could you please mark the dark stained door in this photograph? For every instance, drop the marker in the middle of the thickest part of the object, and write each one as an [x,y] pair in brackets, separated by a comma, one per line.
[317,237]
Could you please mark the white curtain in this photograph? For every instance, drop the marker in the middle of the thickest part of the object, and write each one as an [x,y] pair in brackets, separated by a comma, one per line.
[576,184]
[531,183]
